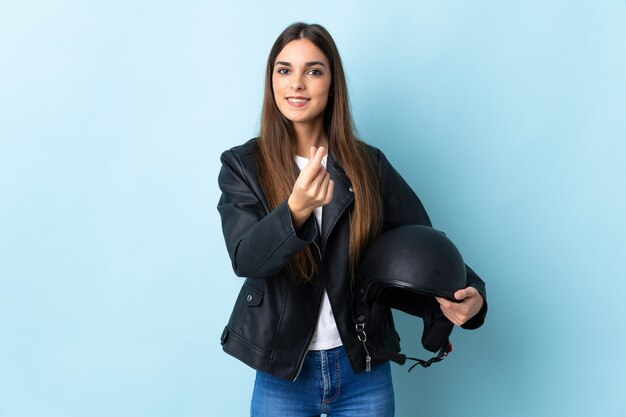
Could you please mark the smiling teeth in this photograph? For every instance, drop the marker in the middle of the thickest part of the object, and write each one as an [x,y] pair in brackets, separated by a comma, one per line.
[297,100]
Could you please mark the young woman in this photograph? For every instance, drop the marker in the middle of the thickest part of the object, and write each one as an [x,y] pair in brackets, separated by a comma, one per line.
[299,205]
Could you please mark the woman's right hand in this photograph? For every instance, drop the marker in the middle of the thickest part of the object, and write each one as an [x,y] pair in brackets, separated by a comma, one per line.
[313,188]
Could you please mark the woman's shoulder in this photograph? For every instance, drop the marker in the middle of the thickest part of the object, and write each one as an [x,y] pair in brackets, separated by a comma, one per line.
[239,163]
[370,149]
[241,158]
[246,148]
[375,153]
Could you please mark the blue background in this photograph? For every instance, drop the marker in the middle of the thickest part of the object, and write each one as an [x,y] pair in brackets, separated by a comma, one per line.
[507,118]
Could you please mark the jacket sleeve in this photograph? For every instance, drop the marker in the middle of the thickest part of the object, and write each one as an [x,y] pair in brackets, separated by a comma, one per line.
[402,206]
[259,244]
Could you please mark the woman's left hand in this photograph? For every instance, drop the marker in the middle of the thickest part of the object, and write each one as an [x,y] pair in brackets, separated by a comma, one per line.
[459,313]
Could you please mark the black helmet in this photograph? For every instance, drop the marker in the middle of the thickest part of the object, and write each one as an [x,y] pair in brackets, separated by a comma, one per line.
[405,268]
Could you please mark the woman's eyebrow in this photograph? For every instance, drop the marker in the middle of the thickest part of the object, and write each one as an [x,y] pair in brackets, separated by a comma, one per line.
[307,64]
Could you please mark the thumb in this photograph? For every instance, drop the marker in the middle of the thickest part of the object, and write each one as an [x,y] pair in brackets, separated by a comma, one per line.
[313,151]
[464,293]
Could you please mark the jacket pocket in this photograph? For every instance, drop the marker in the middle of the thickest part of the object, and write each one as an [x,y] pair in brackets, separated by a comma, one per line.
[248,297]
[252,296]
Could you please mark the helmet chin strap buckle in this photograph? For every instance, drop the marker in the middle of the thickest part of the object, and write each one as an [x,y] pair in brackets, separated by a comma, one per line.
[443,352]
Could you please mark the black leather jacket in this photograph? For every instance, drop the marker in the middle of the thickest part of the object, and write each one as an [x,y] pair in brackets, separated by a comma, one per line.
[274,318]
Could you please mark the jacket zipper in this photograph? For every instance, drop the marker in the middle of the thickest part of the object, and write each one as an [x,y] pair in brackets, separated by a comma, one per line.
[308,341]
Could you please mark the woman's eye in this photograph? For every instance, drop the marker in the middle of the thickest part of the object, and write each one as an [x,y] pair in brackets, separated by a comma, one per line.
[315,72]
[282,71]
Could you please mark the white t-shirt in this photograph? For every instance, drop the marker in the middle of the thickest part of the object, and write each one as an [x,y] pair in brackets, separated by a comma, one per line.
[326,335]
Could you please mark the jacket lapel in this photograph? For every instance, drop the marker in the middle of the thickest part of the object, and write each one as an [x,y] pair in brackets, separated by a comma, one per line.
[343,197]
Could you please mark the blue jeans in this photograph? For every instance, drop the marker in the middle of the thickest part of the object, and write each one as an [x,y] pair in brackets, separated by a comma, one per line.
[326,384]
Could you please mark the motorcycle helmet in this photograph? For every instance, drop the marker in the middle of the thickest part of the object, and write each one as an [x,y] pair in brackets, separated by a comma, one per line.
[404,269]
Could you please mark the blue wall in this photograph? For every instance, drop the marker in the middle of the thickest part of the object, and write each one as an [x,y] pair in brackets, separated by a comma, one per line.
[507,118]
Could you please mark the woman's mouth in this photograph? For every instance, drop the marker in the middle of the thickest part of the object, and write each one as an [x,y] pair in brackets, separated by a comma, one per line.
[297,101]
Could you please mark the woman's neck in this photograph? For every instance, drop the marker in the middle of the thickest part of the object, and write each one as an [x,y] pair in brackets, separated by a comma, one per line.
[308,135]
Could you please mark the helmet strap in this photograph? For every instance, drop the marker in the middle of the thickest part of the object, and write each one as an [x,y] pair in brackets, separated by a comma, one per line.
[443,352]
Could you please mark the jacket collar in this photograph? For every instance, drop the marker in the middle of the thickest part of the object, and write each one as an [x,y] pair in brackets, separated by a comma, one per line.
[343,196]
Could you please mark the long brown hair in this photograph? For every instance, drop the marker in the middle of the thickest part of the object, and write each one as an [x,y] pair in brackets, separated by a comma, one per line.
[277,148]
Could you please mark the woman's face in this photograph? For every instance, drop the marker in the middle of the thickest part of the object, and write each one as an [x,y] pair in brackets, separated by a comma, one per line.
[301,82]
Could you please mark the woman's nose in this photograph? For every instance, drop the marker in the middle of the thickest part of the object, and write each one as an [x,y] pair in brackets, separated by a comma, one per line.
[297,82]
